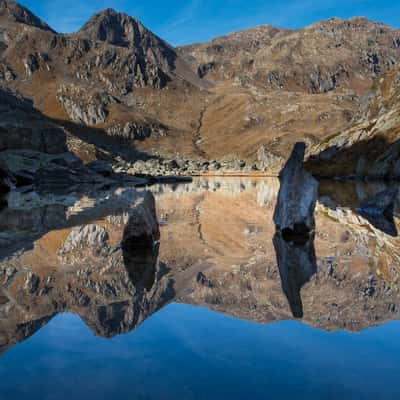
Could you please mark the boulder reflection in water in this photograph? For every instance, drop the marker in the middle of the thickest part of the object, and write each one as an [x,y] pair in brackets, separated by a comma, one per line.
[297,264]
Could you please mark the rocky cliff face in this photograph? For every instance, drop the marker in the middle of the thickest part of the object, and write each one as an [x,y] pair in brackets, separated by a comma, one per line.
[84,108]
[370,148]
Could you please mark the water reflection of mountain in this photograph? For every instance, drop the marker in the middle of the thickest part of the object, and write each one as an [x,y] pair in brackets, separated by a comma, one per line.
[216,250]
[266,189]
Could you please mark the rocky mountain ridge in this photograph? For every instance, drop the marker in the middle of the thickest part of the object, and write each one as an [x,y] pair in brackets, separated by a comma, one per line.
[246,96]
[321,57]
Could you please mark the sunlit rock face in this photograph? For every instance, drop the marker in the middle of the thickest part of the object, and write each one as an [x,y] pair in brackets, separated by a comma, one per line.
[270,56]
[84,254]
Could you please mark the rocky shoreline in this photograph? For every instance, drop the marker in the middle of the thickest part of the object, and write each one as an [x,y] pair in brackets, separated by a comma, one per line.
[175,167]
[181,166]
[37,171]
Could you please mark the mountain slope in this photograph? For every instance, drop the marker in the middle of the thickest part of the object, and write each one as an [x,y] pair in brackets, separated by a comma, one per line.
[14,12]
[246,96]
[370,148]
[319,58]
[109,74]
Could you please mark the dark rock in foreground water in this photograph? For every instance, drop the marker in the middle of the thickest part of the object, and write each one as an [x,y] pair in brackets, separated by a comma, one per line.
[297,264]
[140,243]
[297,198]
[295,224]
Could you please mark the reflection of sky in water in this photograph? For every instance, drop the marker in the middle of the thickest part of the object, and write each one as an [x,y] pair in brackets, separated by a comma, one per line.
[183,352]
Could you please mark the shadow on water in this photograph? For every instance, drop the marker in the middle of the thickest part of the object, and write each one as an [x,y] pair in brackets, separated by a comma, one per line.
[384,222]
[374,201]
[297,264]
[379,210]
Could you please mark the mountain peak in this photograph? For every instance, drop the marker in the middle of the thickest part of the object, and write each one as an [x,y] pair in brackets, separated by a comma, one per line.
[121,30]
[113,27]
[109,13]
[17,13]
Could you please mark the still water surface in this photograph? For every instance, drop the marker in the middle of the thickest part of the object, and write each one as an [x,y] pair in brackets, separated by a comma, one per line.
[184,352]
[221,318]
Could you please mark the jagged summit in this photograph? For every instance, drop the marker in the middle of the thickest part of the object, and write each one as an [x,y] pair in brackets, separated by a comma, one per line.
[122,30]
[118,29]
[17,13]
[112,27]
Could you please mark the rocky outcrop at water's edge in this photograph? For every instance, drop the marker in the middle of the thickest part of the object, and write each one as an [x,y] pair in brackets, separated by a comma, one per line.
[294,211]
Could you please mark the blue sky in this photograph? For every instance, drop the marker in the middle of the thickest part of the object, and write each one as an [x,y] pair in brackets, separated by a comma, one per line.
[188,21]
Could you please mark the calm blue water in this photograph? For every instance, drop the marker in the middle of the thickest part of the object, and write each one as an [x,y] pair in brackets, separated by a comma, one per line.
[183,352]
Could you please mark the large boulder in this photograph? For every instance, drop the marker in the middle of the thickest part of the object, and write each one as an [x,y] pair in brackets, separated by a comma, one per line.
[297,197]
[295,224]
